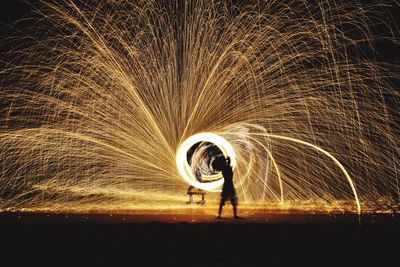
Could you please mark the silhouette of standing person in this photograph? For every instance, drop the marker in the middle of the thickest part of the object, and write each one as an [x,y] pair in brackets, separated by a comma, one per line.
[228,189]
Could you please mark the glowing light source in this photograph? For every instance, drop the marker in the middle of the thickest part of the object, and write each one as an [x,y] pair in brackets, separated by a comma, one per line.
[185,169]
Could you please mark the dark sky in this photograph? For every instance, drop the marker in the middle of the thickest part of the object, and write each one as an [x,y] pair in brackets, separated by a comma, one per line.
[12,10]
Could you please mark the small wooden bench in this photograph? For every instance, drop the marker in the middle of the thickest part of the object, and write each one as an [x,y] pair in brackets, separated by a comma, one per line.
[191,191]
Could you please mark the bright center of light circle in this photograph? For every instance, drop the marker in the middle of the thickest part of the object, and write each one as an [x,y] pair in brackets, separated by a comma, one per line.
[186,170]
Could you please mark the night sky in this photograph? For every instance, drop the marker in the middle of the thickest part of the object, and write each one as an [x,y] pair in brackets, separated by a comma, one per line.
[12,11]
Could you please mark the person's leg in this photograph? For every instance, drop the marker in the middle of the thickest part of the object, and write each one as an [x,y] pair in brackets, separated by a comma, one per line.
[220,210]
[234,210]
[233,202]
[234,206]
[221,204]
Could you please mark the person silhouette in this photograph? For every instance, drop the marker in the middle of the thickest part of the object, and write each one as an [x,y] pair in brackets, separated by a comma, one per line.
[228,189]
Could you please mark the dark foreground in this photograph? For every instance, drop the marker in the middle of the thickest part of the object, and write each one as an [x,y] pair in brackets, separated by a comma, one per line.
[41,240]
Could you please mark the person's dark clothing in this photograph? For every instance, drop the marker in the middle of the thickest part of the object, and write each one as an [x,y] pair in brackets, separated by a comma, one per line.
[228,190]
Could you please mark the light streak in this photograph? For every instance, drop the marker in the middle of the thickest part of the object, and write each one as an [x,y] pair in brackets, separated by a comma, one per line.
[186,171]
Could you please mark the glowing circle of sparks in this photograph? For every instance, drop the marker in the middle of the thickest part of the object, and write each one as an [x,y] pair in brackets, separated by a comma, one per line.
[185,169]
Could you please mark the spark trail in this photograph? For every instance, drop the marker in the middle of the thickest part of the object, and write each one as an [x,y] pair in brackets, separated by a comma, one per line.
[98,98]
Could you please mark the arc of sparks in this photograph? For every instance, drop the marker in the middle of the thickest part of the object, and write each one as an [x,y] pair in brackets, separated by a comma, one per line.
[323,151]
[278,173]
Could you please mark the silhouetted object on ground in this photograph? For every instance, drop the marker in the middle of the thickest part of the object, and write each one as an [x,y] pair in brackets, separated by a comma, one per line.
[191,191]
[228,189]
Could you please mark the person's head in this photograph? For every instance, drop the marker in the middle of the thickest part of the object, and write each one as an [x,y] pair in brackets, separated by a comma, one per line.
[221,163]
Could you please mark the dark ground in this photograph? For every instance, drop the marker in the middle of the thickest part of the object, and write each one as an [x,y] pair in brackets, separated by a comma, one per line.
[50,241]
